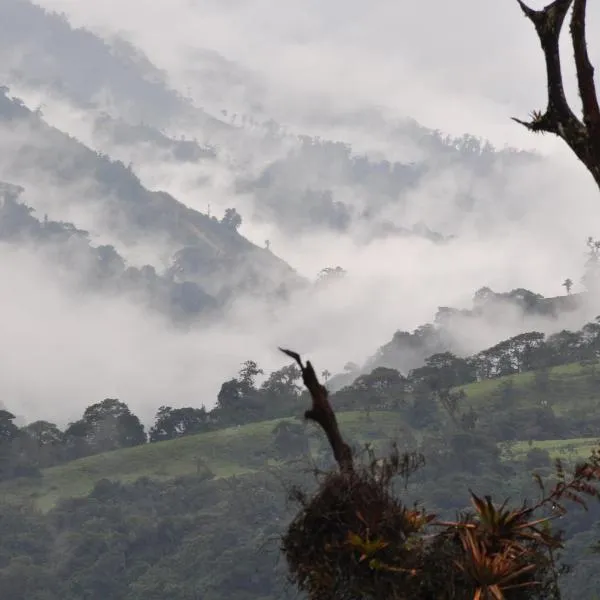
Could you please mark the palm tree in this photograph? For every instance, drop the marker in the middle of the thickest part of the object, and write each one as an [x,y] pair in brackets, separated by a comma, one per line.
[567,284]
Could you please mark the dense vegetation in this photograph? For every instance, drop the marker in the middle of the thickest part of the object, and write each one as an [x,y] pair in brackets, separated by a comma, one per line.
[196,506]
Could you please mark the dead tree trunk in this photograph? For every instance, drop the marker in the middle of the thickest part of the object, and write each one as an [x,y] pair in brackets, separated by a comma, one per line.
[581,135]
[323,414]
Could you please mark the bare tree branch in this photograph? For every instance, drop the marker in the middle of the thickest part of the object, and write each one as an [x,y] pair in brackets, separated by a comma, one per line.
[585,69]
[323,414]
[583,137]
[548,24]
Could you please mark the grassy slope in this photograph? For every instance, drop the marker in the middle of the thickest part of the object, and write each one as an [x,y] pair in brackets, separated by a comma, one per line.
[482,389]
[574,448]
[226,452]
[234,451]
[569,389]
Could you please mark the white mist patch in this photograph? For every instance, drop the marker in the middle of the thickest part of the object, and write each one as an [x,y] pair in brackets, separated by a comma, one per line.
[64,351]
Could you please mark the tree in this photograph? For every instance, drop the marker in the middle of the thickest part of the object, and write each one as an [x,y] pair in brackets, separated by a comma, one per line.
[537,458]
[482,296]
[76,442]
[238,400]
[522,352]
[444,370]
[106,425]
[109,262]
[9,434]
[564,347]
[381,386]
[591,276]
[581,135]
[43,443]
[568,285]
[230,399]
[231,219]
[330,274]
[280,392]
[8,430]
[283,382]
[172,423]
[249,372]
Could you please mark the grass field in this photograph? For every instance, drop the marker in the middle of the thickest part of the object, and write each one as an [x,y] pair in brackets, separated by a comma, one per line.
[226,452]
[575,448]
[482,389]
[569,388]
[239,450]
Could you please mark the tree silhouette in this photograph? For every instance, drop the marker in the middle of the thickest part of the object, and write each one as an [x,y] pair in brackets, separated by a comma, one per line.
[582,135]
[591,277]
[568,285]
[232,219]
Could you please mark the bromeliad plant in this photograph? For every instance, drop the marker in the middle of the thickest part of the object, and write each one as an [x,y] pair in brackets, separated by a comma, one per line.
[504,550]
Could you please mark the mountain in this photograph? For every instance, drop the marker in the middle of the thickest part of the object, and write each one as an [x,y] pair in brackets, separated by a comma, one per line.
[323,184]
[118,132]
[469,330]
[106,192]
[41,49]
[298,182]
[463,331]
[96,269]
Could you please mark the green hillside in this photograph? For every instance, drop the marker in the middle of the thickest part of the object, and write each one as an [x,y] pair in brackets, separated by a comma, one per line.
[203,246]
[226,452]
[248,448]
[202,515]
[566,388]
[577,448]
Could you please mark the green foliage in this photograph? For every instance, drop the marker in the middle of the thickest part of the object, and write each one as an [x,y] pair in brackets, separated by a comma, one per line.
[172,423]
[472,434]
[356,538]
[187,538]
[107,425]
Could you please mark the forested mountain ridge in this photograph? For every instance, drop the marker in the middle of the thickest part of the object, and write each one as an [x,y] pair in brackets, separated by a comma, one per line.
[322,183]
[119,132]
[466,331]
[223,259]
[96,269]
[41,49]
[309,183]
